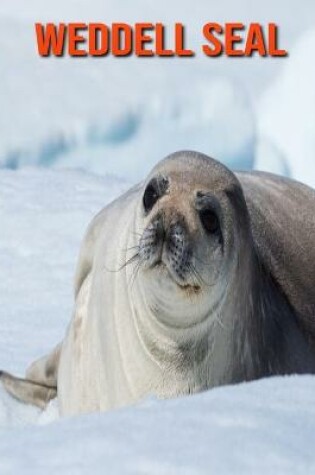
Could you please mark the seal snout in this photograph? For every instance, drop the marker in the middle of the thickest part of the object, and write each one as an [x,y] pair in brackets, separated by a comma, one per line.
[178,250]
[167,243]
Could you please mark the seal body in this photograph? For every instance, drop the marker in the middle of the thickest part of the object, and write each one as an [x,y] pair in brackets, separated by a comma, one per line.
[195,278]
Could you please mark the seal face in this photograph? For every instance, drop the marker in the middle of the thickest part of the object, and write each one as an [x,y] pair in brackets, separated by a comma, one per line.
[198,277]
[168,241]
[180,251]
[186,245]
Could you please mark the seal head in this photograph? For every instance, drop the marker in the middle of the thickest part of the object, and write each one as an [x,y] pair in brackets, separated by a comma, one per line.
[192,219]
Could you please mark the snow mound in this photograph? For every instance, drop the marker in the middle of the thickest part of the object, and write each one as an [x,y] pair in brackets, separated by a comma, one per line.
[287,110]
[268,158]
[261,427]
[215,118]
[14,414]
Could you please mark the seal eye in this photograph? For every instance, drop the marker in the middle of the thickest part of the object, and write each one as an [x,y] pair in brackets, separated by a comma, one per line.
[150,197]
[209,221]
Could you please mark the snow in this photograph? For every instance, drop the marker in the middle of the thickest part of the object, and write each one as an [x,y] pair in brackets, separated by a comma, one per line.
[112,120]
[261,427]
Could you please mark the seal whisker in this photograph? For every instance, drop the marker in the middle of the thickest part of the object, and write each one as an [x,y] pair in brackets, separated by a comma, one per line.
[135,273]
[136,234]
[125,264]
[200,278]
[195,274]
[132,259]
[131,248]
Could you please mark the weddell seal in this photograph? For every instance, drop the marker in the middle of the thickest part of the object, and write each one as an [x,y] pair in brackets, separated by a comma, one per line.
[195,278]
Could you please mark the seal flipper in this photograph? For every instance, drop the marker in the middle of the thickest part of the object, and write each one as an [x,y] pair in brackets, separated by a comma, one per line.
[28,391]
[40,384]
